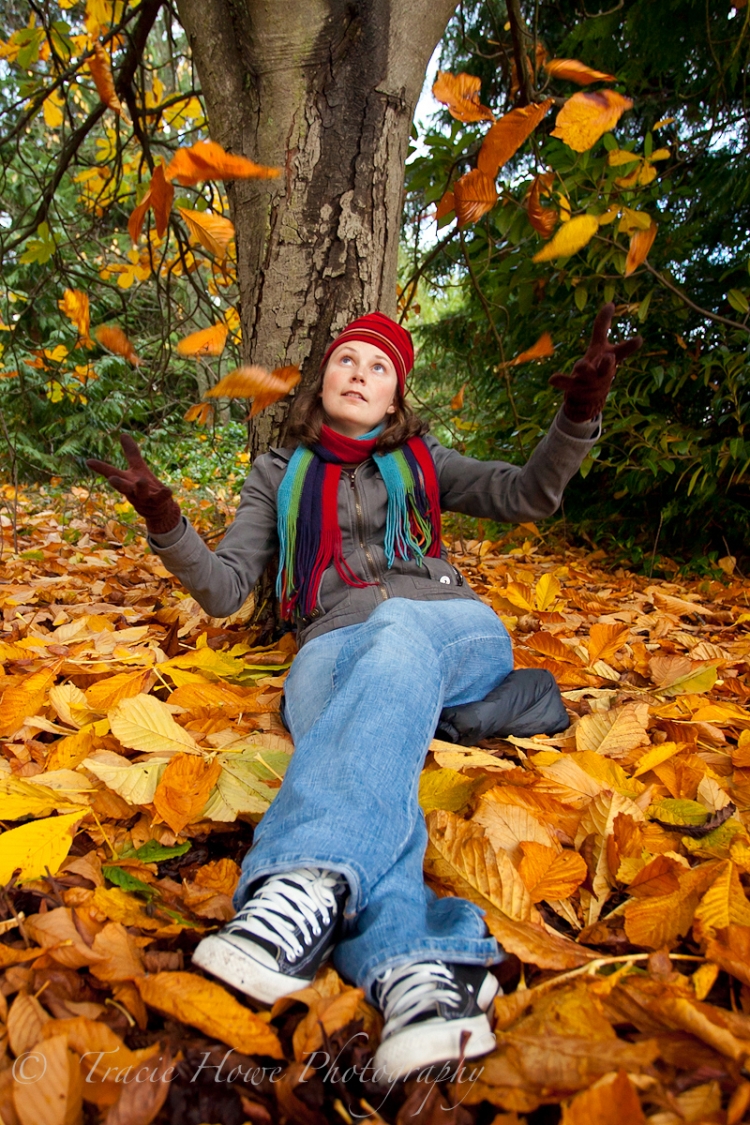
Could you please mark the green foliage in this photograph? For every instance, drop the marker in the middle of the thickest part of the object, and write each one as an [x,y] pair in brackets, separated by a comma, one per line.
[672,468]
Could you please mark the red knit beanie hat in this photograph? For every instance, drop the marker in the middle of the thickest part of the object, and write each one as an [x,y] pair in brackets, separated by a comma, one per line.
[377,328]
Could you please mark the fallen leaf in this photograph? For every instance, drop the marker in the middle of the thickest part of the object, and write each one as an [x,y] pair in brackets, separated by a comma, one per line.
[75,305]
[37,846]
[209,1007]
[183,789]
[209,341]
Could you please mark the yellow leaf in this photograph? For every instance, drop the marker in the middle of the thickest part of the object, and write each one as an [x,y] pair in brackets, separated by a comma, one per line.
[695,683]
[509,826]
[613,733]
[53,110]
[634,220]
[212,231]
[724,902]
[619,156]
[114,340]
[183,789]
[194,1000]
[257,383]
[605,640]
[119,906]
[546,592]
[209,341]
[101,71]
[145,723]
[460,856]
[569,239]
[75,305]
[37,846]
[550,874]
[19,798]
[107,693]
[519,595]
[135,782]
[661,753]
[444,789]
[586,117]
[22,698]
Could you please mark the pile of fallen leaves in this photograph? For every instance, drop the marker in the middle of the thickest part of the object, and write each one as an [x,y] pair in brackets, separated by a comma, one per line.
[140,742]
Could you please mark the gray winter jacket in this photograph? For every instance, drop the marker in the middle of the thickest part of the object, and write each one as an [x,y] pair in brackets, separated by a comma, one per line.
[221,580]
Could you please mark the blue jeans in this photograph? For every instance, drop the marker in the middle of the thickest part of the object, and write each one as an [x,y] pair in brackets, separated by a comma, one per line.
[362,704]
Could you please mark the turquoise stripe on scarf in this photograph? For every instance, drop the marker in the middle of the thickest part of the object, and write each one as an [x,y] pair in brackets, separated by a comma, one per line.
[287,507]
[399,484]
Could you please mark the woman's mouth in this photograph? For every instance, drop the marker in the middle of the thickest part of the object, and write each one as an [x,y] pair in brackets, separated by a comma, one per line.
[355,395]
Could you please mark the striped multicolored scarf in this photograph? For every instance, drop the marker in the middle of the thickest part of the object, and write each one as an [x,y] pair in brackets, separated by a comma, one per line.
[307,513]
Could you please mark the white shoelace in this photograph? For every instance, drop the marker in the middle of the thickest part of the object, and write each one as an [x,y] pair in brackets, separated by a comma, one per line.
[278,907]
[410,990]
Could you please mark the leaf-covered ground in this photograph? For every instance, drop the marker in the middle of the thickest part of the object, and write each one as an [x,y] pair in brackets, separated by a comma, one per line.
[140,742]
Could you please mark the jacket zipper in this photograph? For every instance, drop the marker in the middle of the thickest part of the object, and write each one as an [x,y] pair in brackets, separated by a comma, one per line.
[361,530]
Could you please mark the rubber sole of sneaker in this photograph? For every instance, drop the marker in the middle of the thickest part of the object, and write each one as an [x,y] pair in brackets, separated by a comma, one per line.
[226,961]
[429,1044]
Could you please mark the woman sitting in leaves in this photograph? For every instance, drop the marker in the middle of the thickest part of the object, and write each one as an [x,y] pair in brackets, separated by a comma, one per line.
[390,634]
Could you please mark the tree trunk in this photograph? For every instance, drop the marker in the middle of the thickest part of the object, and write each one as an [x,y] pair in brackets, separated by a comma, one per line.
[325,90]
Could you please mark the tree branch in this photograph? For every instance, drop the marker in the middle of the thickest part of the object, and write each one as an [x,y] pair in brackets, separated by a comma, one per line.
[149,12]
[520,34]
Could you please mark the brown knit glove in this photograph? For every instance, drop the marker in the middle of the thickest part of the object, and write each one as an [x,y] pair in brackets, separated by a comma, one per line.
[585,390]
[150,498]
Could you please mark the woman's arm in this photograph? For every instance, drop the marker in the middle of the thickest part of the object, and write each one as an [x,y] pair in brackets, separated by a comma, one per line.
[219,580]
[508,493]
[517,493]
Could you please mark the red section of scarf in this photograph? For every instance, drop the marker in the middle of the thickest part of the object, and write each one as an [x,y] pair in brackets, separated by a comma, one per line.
[349,450]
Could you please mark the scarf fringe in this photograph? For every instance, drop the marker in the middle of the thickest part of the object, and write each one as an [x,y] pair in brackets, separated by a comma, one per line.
[308,528]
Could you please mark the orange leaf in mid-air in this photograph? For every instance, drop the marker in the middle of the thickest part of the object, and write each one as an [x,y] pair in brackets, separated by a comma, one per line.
[574,71]
[212,231]
[445,206]
[209,341]
[101,71]
[162,194]
[75,305]
[114,340]
[200,412]
[542,349]
[159,197]
[265,387]
[507,135]
[641,242]
[586,117]
[542,219]
[475,195]
[460,93]
[457,402]
[206,160]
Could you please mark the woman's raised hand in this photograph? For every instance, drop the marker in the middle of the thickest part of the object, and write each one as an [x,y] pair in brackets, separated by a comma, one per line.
[585,390]
[150,498]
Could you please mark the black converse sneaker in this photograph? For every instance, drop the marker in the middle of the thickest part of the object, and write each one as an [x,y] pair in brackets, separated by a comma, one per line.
[277,941]
[427,1006]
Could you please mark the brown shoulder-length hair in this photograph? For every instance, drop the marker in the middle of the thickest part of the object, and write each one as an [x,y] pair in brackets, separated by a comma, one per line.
[307,417]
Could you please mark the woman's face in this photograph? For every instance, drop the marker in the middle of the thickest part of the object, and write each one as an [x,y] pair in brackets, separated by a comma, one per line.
[359,388]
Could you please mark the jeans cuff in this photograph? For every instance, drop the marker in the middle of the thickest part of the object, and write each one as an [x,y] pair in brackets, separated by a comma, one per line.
[353,877]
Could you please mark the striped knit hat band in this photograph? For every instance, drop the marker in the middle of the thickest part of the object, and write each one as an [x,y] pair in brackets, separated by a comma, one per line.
[378,329]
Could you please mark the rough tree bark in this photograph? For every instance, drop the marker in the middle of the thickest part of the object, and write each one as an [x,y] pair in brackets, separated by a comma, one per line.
[326,90]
